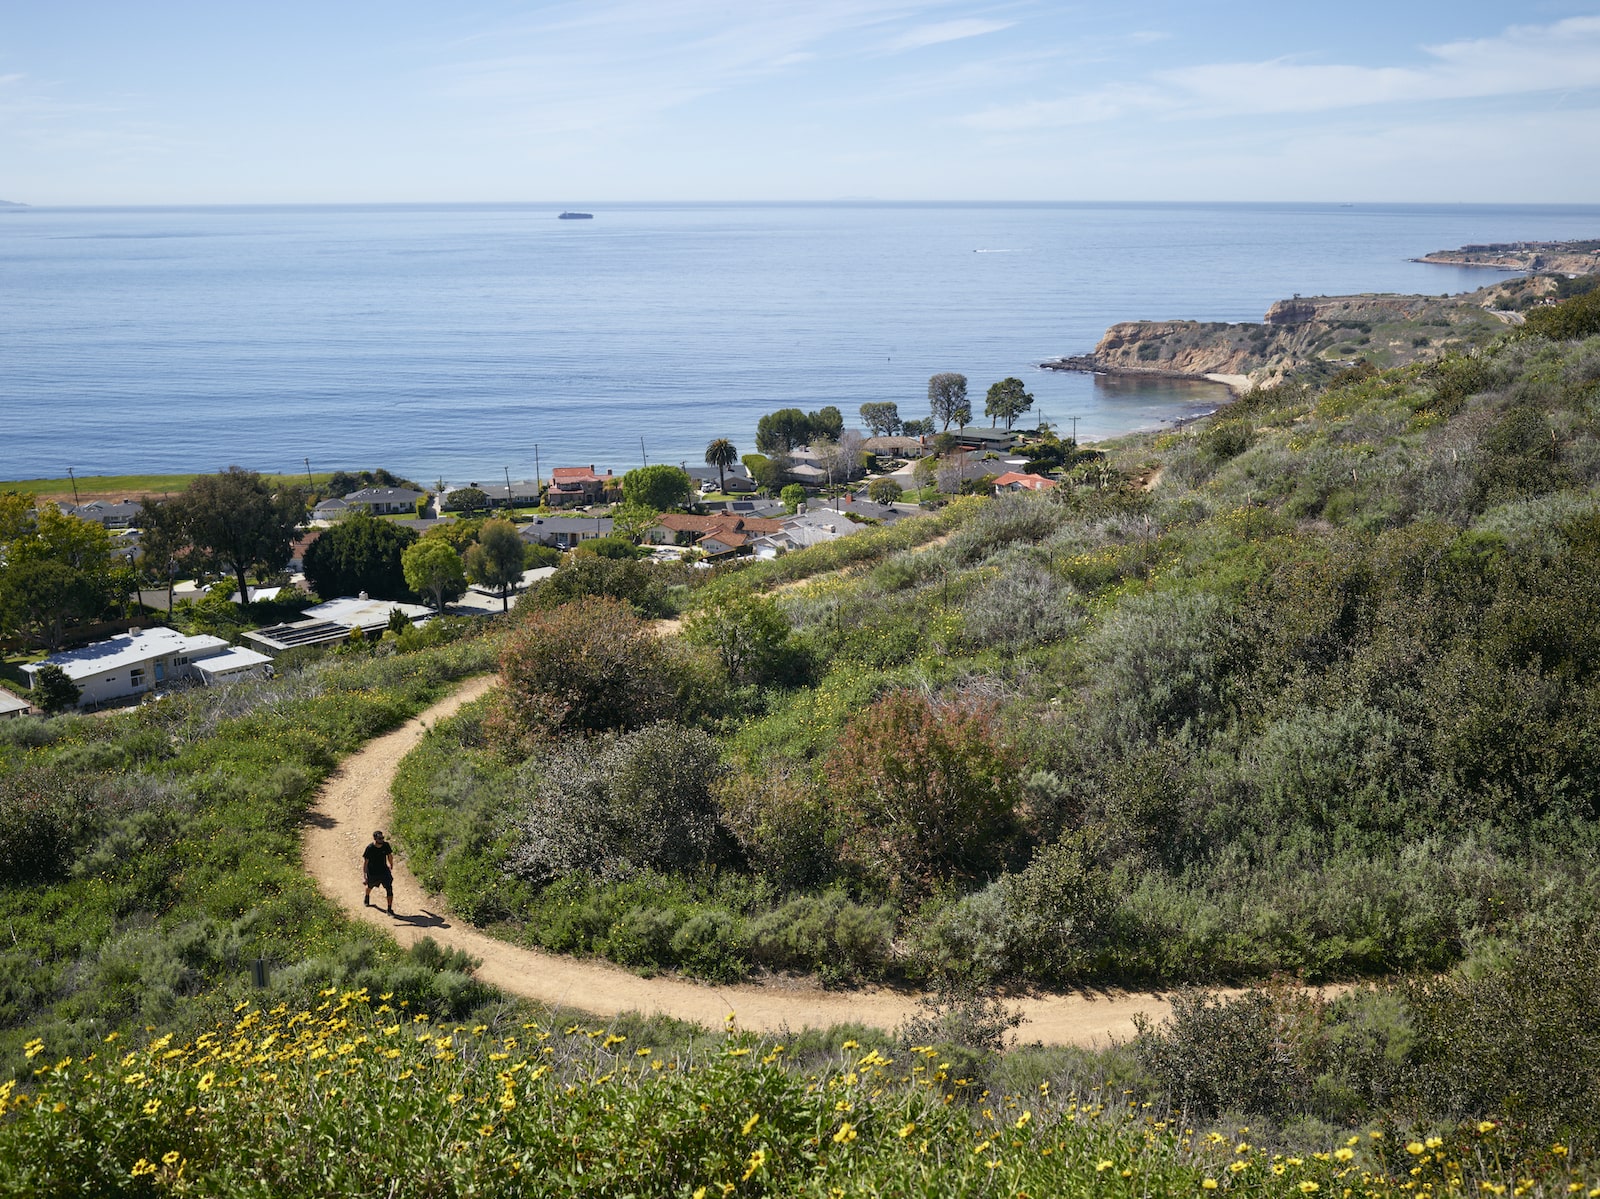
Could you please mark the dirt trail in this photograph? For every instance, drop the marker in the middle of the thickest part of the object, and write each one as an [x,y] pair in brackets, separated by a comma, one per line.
[355,800]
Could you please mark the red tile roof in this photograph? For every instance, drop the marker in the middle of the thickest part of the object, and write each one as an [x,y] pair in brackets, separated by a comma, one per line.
[1031,482]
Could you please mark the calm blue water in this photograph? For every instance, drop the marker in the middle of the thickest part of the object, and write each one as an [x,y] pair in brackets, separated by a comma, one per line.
[448,341]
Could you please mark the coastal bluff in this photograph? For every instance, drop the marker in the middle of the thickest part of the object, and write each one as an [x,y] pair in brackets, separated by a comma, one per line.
[1550,257]
[1386,330]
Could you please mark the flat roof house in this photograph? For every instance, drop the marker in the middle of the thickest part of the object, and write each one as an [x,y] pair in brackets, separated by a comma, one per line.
[143,660]
[332,622]
[385,501]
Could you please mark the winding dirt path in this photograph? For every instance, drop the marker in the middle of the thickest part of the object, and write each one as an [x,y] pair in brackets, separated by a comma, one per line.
[355,800]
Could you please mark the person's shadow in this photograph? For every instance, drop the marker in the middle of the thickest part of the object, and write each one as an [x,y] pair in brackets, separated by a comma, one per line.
[424,919]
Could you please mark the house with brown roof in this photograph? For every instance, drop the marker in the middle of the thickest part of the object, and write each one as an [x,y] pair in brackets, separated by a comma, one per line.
[719,533]
[1017,481]
[574,485]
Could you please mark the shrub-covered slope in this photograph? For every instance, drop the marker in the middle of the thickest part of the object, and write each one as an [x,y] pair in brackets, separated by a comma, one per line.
[1321,699]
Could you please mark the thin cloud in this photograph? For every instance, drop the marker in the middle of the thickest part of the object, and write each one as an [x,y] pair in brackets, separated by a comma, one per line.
[1522,60]
[947,31]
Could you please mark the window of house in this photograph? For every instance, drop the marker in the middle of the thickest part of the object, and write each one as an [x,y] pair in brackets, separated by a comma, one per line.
[136,677]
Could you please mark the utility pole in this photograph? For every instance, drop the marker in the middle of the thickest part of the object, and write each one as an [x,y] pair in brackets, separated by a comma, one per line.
[310,486]
[642,454]
[1074,421]
[507,469]
[71,475]
[536,483]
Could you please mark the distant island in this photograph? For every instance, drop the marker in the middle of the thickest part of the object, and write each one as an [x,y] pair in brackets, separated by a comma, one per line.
[1322,334]
[11,204]
[576,216]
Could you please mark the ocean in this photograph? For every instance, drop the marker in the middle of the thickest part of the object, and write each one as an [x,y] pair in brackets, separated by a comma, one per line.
[464,342]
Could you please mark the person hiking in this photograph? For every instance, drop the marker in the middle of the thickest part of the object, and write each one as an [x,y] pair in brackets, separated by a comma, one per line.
[377,869]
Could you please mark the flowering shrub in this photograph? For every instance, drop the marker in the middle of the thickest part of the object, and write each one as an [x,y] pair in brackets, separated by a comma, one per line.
[357,1096]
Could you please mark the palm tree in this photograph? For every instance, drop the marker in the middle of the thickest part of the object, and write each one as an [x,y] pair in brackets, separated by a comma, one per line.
[721,454]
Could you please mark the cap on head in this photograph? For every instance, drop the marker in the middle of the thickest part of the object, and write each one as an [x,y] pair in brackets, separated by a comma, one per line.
[377,834]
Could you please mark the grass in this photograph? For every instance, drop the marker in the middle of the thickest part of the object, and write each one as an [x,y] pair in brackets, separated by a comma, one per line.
[130,484]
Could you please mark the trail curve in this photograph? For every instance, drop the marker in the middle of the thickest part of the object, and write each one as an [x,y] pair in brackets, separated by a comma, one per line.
[355,800]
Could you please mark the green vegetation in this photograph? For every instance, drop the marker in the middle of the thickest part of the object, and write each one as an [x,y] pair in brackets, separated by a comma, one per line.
[1317,705]
[136,485]
[658,488]
[359,1095]
[788,428]
[360,553]
[147,856]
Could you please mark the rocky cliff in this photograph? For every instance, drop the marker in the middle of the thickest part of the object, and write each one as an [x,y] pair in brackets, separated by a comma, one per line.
[1550,257]
[1385,330]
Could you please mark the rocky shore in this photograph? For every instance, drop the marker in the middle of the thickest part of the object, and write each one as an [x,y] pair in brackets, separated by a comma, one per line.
[1552,257]
[1387,330]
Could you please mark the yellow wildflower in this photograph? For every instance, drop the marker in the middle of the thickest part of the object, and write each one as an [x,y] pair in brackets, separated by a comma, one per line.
[906,1130]
[846,1134]
[750,1124]
[1209,1184]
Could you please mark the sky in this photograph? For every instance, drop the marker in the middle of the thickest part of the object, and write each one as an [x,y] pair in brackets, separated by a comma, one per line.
[357,101]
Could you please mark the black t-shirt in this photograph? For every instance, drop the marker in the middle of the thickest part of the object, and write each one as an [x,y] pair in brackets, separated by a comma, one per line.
[377,857]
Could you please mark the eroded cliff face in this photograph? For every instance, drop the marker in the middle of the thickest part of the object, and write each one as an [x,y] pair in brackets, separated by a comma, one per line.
[1386,330]
[1552,257]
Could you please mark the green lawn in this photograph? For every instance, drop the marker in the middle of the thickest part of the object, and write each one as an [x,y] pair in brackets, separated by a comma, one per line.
[132,484]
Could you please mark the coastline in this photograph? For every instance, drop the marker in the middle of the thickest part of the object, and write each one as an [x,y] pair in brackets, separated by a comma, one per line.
[1087,364]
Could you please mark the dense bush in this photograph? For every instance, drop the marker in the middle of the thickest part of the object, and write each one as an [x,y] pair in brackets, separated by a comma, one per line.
[922,794]
[588,666]
[642,801]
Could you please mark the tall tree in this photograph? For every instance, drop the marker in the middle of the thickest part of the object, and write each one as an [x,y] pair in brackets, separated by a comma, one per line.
[882,420]
[496,561]
[360,553]
[721,454]
[237,522]
[1007,400]
[55,571]
[659,487]
[433,570]
[947,398]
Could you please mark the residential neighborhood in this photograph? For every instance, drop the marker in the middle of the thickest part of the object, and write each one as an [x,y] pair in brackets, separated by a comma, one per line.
[351,566]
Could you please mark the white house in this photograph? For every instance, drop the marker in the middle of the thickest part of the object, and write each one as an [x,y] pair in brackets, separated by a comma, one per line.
[143,660]
[11,705]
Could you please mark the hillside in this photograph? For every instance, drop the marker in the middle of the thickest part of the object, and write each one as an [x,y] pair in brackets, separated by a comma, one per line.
[1304,693]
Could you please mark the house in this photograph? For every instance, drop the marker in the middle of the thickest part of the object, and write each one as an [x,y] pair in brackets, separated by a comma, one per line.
[332,622]
[385,501]
[735,479]
[1017,481]
[330,510]
[564,532]
[806,473]
[142,660]
[718,533]
[896,447]
[123,514]
[522,492]
[979,438]
[571,486]
[11,705]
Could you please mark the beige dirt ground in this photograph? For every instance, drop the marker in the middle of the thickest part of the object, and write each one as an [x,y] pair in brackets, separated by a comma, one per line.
[355,801]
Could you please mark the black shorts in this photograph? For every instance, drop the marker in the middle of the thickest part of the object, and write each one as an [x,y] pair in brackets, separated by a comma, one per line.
[381,879]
